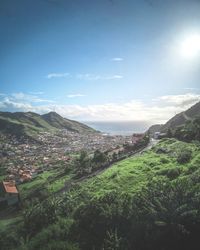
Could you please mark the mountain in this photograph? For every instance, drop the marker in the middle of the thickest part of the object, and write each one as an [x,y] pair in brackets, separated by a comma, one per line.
[57,121]
[29,123]
[181,118]
[154,128]
[177,121]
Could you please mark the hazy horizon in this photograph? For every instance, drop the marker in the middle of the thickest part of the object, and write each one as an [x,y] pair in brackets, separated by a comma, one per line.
[119,127]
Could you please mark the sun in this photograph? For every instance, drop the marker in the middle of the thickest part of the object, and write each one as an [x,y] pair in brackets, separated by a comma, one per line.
[190,46]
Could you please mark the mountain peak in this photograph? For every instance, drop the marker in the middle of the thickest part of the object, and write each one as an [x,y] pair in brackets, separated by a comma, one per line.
[31,123]
[51,113]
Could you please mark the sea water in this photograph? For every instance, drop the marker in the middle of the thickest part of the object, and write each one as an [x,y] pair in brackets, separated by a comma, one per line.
[119,127]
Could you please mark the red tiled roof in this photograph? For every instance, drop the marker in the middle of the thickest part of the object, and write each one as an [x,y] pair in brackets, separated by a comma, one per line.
[10,187]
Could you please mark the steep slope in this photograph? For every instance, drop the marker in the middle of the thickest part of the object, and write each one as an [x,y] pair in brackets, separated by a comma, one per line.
[29,123]
[23,124]
[57,121]
[148,201]
[182,117]
[154,128]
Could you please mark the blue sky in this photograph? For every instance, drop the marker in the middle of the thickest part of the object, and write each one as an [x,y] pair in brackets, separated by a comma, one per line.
[99,60]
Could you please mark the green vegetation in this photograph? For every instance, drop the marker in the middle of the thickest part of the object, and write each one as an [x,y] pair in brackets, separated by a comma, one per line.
[189,131]
[182,118]
[27,189]
[56,185]
[147,202]
[29,124]
[59,122]
[9,221]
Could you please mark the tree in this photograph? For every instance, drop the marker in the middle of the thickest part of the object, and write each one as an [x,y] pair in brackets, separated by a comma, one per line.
[37,216]
[99,157]
[83,163]
[112,241]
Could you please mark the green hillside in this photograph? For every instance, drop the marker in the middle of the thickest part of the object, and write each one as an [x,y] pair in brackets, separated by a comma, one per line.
[177,121]
[150,201]
[59,122]
[181,118]
[29,124]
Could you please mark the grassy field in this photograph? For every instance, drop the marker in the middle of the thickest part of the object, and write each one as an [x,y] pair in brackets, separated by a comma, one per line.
[40,181]
[9,222]
[134,196]
[130,175]
[47,180]
[58,184]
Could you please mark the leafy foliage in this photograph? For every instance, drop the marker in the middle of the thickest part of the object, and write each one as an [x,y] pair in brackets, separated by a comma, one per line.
[188,132]
[148,202]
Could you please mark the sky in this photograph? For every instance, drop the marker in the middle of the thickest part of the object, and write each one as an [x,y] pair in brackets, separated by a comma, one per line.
[100,60]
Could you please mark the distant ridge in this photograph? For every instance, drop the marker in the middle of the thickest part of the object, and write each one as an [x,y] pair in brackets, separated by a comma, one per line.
[181,118]
[29,123]
[177,120]
[154,128]
[57,121]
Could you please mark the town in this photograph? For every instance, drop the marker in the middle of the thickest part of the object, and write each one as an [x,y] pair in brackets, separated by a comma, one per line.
[22,161]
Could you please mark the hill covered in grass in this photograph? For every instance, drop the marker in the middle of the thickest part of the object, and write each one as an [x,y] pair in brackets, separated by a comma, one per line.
[57,121]
[150,201]
[28,123]
[183,117]
[178,120]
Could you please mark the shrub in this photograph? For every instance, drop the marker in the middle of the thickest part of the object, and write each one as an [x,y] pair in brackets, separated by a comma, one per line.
[173,173]
[164,160]
[52,237]
[196,161]
[184,157]
[161,150]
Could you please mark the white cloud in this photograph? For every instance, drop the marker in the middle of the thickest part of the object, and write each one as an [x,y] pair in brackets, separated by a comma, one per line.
[57,75]
[115,77]
[159,111]
[191,89]
[180,100]
[86,76]
[9,104]
[22,98]
[117,59]
[92,77]
[36,93]
[30,98]
[89,77]
[75,95]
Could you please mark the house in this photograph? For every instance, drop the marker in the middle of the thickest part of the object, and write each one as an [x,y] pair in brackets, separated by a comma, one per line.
[159,135]
[156,135]
[137,137]
[25,177]
[9,194]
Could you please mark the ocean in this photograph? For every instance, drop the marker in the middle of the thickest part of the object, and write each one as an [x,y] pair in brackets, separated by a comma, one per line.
[119,127]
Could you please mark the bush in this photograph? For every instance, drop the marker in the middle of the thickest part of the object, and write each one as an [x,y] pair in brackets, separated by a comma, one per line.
[164,160]
[53,237]
[171,173]
[184,157]
[196,161]
[8,240]
[161,151]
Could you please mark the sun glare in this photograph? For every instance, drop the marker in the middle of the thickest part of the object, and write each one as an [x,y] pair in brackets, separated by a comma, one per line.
[190,46]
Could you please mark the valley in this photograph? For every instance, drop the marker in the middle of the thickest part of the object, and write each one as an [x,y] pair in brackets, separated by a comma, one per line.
[99,191]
